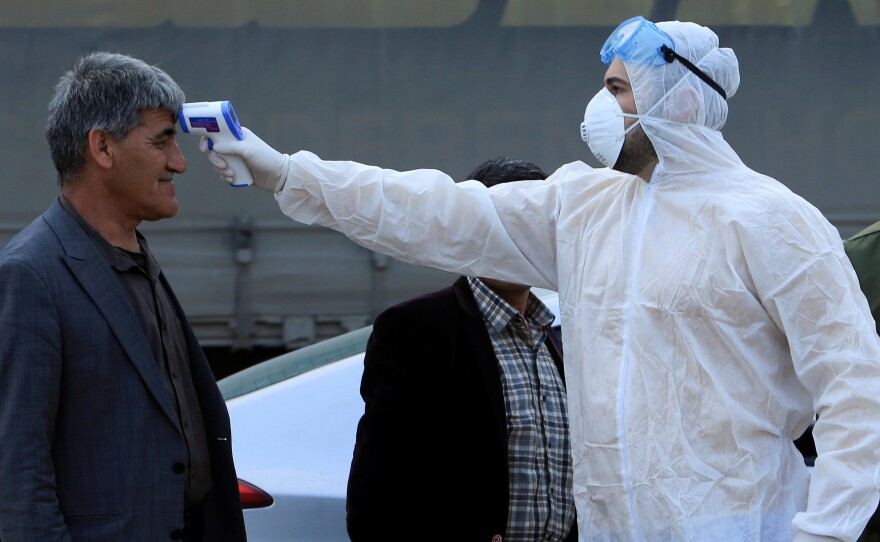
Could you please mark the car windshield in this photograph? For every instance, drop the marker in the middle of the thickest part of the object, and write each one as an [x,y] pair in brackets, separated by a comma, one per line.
[295,363]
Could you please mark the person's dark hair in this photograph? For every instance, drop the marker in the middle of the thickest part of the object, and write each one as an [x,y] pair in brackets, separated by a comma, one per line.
[106,91]
[505,170]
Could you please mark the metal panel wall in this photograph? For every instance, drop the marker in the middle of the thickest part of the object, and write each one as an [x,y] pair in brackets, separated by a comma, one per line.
[432,83]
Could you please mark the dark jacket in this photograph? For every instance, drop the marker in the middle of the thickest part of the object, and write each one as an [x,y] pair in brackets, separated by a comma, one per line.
[92,447]
[430,461]
[863,250]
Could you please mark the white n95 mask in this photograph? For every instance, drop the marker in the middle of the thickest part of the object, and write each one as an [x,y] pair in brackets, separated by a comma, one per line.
[603,129]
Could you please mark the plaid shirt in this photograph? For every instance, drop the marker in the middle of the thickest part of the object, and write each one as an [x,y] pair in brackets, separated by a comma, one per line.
[538,448]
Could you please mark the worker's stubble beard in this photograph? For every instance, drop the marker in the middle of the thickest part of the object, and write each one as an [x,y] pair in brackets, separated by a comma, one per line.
[637,153]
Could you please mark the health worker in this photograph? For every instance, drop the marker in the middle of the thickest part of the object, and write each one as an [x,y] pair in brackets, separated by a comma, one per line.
[708,312]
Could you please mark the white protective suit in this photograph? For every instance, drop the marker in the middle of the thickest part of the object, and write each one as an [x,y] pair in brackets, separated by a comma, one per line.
[706,316]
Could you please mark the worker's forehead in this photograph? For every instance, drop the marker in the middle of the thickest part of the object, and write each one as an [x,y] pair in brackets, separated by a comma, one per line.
[617,71]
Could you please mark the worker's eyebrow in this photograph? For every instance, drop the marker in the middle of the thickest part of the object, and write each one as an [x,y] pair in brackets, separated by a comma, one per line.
[618,81]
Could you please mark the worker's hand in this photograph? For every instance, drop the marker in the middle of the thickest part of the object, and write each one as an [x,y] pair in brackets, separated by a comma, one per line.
[268,166]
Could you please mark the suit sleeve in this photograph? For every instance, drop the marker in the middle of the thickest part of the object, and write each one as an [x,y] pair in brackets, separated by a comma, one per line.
[423,217]
[30,376]
[386,482]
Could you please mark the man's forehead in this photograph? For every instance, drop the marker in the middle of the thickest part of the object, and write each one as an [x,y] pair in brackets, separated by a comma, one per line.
[155,117]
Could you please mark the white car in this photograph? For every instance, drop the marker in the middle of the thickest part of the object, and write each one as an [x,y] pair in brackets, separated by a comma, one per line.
[294,420]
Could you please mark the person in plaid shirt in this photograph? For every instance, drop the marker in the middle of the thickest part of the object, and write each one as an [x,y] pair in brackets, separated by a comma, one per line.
[465,433]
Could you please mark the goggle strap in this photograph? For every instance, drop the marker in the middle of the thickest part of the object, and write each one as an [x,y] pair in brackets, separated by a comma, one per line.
[671,55]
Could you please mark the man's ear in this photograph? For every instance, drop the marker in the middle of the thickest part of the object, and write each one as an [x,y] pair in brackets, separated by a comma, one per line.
[101,148]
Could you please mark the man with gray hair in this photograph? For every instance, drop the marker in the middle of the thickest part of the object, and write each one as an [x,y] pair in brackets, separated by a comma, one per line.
[708,312]
[112,425]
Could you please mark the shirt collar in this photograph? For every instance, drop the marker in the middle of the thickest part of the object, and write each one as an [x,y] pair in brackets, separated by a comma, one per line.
[498,313]
[114,257]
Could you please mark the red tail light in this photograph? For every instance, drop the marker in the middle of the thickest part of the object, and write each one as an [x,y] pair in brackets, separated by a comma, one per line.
[252,496]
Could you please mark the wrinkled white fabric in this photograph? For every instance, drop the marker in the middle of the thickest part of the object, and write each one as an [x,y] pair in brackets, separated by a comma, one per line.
[706,316]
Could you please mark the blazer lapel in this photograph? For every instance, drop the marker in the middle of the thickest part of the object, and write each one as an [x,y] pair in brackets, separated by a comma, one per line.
[484,354]
[94,274]
[554,345]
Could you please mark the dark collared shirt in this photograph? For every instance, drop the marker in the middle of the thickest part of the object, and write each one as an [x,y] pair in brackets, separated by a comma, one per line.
[139,275]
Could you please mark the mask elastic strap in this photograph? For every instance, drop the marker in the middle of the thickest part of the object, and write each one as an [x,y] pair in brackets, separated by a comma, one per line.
[660,101]
[665,121]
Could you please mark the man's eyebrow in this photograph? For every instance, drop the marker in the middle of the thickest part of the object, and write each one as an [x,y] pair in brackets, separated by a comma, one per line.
[167,132]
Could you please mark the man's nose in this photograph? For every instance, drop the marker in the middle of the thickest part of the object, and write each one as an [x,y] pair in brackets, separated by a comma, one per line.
[176,162]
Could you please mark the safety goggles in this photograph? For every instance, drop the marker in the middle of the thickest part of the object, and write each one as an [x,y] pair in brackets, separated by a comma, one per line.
[639,40]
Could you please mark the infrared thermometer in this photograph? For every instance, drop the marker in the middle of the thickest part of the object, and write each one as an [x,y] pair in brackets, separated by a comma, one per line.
[217,121]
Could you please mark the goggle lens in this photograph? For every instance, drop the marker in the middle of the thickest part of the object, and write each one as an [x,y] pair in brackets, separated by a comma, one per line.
[637,40]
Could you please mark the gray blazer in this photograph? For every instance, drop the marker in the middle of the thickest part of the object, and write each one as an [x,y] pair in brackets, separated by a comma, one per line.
[90,446]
